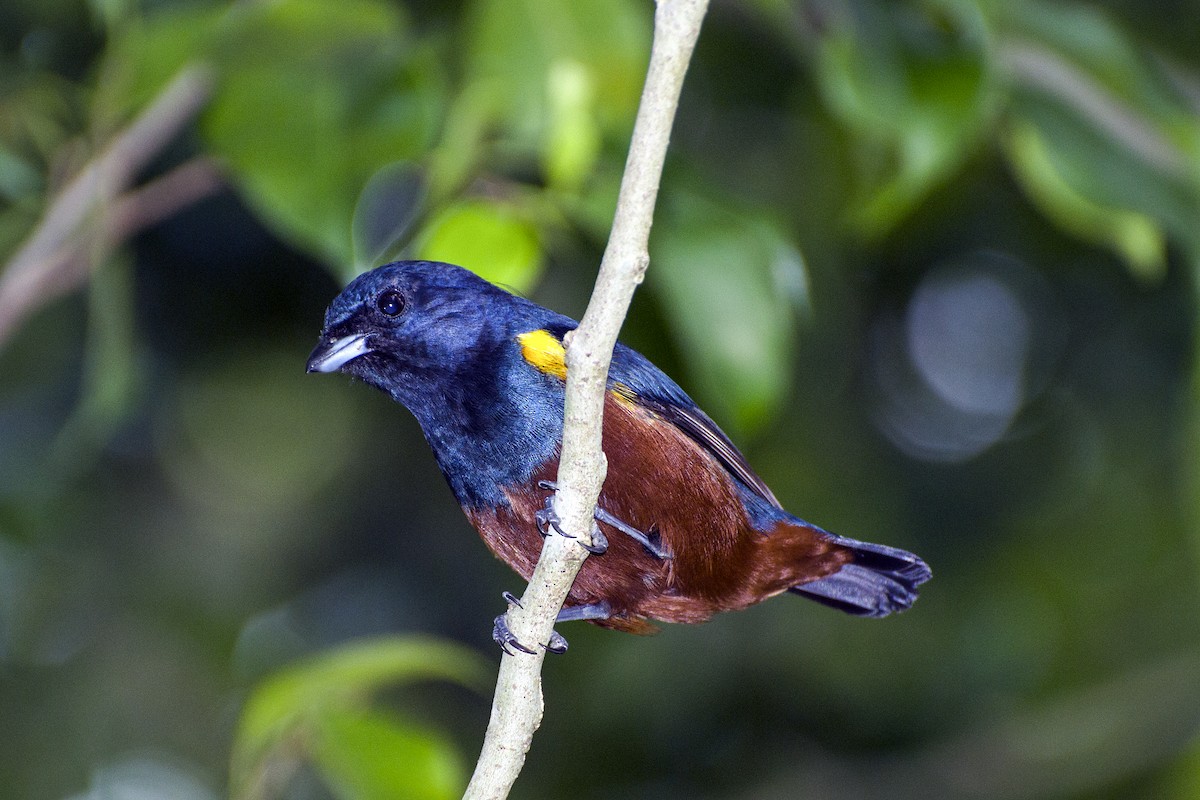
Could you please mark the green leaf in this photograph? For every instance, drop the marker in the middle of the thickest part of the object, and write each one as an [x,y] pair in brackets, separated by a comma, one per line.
[573,137]
[1132,235]
[1099,138]
[516,44]
[1091,40]
[487,237]
[917,91]
[384,216]
[551,77]
[731,287]
[316,98]
[284,710]
[367,756]
[312,100]
[149,51]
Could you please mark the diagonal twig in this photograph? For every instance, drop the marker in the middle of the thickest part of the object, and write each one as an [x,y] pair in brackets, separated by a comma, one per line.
[42,268]
[517,705]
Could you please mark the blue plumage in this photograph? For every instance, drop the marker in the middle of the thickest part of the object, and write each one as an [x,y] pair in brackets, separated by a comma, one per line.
[489,419]
[693,529]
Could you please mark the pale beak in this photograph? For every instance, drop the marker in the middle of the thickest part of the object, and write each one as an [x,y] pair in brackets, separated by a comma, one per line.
[333,355]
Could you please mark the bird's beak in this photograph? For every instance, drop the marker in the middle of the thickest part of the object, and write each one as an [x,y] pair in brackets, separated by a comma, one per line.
[330,356]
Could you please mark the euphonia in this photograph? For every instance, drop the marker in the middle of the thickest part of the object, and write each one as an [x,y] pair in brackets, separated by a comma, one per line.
[687,527]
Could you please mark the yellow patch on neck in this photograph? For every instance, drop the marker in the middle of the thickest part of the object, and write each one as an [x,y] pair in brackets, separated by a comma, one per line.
[544,352]
[623,394]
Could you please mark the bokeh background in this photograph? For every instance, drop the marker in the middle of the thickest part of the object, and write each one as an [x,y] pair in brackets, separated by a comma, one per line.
[932,264]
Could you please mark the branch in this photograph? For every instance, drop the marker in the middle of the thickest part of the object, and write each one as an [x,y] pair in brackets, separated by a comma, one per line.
[1046,70]
[517,706]
[68,267]
[43,267]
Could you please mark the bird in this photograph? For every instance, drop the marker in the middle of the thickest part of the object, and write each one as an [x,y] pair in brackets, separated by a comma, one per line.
[684,528]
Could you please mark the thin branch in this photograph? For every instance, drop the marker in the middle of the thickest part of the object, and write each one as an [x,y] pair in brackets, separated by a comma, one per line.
[517,706]
[68,268]
[165,196]
[1042,68]
[40,269]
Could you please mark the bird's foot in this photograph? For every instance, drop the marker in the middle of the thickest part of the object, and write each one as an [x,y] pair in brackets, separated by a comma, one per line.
[546,519]
[650,540]
[557,644]
[502,634]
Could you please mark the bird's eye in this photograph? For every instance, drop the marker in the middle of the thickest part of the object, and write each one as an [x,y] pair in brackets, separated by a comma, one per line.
[390,303]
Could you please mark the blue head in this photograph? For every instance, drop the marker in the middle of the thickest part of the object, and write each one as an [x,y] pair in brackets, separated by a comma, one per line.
[442,342]
[406,325]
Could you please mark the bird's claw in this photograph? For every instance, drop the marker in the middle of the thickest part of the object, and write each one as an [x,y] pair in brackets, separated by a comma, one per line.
[503,636]
[557,645]
[508,641]
[599,545]
[546,519]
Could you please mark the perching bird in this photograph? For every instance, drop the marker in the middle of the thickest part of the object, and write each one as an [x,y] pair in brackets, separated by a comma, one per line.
[691,530]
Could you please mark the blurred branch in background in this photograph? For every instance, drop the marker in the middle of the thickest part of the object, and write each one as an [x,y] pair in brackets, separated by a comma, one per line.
[96,212]
[1044,69]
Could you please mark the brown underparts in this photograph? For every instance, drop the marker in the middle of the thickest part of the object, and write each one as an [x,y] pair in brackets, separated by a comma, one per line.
[659,478]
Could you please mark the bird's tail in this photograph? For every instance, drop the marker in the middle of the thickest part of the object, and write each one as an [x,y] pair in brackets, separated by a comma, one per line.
[878,581]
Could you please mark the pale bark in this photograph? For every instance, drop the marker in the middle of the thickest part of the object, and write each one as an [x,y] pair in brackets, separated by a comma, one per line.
[517,705]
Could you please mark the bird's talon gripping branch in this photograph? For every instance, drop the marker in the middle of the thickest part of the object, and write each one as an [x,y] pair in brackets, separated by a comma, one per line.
[557,645]
[503,636]
[546,519]
[599,545]
[508,641]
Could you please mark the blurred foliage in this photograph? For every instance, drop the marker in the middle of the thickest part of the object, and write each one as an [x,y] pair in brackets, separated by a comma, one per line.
[932,262]
[315,711]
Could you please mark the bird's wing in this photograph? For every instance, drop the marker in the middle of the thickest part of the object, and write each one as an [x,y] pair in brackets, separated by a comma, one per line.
[634,379]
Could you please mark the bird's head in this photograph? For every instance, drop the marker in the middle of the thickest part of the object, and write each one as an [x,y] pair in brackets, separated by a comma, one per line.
[403,325]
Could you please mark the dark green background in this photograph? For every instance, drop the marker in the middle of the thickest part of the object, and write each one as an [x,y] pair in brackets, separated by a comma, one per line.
[932,264]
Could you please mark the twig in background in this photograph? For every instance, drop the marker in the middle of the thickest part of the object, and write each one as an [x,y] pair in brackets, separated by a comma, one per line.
[92,212]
